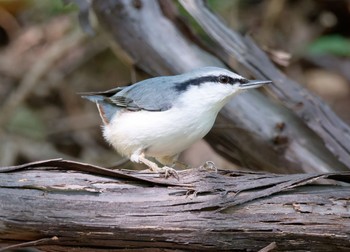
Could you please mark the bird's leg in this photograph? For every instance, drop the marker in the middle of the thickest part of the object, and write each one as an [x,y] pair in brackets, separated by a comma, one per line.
[167,171]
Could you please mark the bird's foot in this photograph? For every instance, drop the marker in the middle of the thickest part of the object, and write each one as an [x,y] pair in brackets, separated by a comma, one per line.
[209,165]
[167,171]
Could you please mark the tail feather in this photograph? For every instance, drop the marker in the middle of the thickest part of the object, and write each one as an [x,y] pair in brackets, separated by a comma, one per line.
[105,109]
[107,93]
[93,98]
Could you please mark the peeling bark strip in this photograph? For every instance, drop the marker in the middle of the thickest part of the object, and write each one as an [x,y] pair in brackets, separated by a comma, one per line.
[52,207]
[62,164]
[248,129]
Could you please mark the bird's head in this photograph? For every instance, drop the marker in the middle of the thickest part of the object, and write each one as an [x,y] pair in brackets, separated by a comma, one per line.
[213,85]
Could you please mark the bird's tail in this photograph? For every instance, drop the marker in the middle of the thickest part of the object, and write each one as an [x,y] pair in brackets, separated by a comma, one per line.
[93,98]
[99,96]
[106,109]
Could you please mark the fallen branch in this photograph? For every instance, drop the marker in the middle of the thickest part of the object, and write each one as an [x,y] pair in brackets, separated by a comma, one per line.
[227,210]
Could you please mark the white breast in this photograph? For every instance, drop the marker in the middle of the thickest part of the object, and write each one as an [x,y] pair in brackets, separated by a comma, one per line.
[160,134]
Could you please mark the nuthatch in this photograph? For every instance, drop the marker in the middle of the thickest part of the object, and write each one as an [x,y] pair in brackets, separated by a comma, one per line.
[162,116]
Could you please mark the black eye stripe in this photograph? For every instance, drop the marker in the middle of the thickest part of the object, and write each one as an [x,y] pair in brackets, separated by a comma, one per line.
[223,79]
[182,86]
[236,80]
[231,80]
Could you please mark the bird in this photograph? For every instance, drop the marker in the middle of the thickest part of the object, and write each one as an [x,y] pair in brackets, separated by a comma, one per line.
[158,118]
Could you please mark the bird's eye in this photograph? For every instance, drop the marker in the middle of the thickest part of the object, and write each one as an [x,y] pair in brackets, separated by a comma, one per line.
[223,79]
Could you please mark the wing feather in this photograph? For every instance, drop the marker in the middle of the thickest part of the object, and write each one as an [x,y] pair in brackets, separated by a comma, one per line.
[155,94]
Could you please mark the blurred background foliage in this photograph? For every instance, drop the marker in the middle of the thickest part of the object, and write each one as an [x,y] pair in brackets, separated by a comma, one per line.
[45,60]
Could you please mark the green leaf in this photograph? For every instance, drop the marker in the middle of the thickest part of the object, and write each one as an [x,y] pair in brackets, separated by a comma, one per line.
[332,44]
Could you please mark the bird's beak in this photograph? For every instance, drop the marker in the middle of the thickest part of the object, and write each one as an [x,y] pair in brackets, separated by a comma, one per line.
[254,84]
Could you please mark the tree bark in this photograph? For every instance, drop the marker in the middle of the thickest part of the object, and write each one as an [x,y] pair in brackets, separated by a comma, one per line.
[251,130]
[203,211]
[241,52]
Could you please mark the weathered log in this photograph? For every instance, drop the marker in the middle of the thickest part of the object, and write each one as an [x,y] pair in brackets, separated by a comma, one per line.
[205,210]
[251,130]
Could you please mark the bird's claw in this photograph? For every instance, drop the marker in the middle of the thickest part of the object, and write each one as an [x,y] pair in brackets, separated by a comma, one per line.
[167,171]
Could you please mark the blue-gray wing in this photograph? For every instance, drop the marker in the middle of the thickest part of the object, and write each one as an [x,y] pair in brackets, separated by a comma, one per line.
[156,94]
